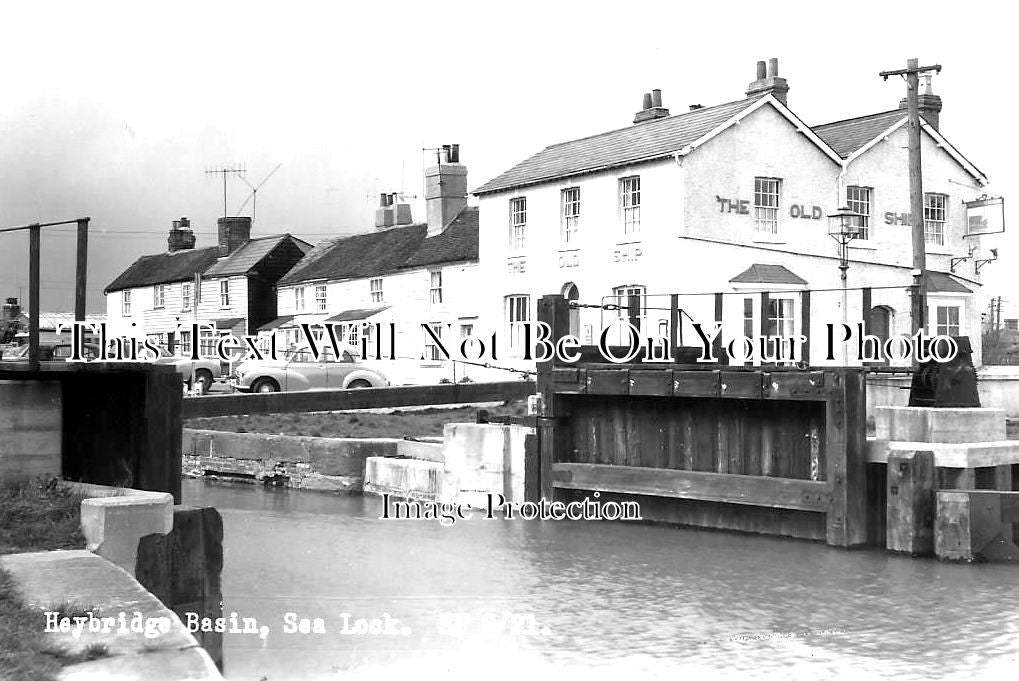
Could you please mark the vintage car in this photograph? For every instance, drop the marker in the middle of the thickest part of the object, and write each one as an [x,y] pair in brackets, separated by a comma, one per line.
[49,352]
[205,370]
[298,370]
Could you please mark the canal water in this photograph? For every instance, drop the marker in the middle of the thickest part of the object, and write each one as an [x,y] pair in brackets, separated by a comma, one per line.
[493,599]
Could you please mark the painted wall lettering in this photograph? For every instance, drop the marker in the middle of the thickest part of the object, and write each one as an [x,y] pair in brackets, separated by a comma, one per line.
[896,218]
[800,211]
[738,206]
[631,254]
[569,260]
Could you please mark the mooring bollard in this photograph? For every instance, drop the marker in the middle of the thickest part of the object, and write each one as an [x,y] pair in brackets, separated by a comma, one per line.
[910,518]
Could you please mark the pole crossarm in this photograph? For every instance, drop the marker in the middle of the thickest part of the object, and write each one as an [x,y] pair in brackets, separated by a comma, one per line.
[43,224]
[936,68]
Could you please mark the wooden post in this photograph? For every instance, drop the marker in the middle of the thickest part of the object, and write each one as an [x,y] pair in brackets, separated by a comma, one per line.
[81,269]
[845,432]
[722,357]
[910,518]
[34,238]
[805,326]
[532,469]
[675,335]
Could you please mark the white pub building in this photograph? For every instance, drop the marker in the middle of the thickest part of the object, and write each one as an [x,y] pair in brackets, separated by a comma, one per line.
[728,207]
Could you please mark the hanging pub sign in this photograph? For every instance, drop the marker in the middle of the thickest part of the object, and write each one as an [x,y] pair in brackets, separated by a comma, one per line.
[986,215]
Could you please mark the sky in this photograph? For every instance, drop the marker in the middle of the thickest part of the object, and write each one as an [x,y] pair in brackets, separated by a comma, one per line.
[116,111]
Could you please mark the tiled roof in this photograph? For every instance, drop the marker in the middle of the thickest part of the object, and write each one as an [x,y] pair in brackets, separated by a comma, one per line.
[249,255]
[164,268]
[357,315]
[640,142]
[768,274]
[374,254]
[848,136]
[940,282]
[459,241]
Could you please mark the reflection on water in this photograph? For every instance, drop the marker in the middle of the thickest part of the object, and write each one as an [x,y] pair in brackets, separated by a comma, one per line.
[496,599]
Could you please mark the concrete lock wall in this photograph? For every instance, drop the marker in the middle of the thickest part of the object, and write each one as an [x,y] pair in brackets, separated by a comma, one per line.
[30,429]
[335,464]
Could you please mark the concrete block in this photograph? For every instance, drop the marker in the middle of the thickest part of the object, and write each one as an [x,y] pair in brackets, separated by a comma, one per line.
[114,525]
[50,578]
[419,449]
[950,455]
[490,447]
[31,429]
[404,477]
[928,424]
[329,483]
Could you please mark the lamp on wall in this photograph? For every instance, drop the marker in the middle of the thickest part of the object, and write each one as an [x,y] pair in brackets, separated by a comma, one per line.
[844,225]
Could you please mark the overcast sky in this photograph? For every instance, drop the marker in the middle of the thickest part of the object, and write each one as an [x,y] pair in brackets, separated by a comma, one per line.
[116,110]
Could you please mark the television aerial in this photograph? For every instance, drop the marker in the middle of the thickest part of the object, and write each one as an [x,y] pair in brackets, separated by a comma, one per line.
[253,197]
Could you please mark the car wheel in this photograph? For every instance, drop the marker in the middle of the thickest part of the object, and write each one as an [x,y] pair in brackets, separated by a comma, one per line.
[203,378]
[265,385]
[359,383]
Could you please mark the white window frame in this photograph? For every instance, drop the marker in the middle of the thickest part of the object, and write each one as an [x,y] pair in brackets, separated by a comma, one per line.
[435,287]
[944,327]
[159,296]
[784,324]
[516,311]
[629,204]
[569,213]
[518,223]
[224,293]
[125,303]
[186,293]
[321,297]
[935,217]
[621,295]
[767,203]
[375,287]
[299,299]
[184,343]
[432,353]
[858,200]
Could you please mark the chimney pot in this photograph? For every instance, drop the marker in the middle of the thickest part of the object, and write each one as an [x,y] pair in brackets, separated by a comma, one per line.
[656,98]
[761,70]
[454,153]
[773,67]
[647,101]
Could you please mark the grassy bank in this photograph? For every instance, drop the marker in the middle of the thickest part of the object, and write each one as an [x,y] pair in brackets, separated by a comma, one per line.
[36,516]
[398,424]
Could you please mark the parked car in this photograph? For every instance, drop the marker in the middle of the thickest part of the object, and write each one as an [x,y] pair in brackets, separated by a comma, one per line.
[49,352]
[205,370]
[299,370]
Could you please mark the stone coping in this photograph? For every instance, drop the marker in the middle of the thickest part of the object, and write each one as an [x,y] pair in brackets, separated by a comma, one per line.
[82,579]
[950,455]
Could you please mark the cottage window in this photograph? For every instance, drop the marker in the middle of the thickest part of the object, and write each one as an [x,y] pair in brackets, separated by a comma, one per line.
[748,318]
[517,313]
[320,298]
[632,302]
[766,200]
[629,203]
[934,209]
[435,292]
[224,293]
[375,285]
[518,223]
[185,296]
[858,201]
[570,219]
[299,299]
[159,296]
[781,318]
[947,320]
[432,352]
[125,308]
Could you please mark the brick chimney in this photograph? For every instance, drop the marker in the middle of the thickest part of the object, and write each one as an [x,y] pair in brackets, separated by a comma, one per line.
[391,213]
[181,237]
[768,82]
[234,232]
[445,189]
[652,108]
[930,104]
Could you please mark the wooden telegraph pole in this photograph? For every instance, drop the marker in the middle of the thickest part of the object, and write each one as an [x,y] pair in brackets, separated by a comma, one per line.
[912,76]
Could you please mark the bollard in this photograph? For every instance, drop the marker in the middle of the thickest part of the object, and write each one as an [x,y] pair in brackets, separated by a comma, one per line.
[910,518]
